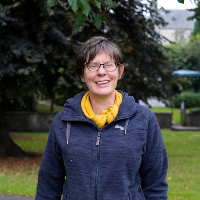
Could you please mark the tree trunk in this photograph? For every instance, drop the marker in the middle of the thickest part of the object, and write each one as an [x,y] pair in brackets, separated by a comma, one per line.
[7,146]
[52,102]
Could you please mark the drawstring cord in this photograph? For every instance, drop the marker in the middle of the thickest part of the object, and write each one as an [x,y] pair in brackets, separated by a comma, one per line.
[68,131]
[126,125]
[69,126]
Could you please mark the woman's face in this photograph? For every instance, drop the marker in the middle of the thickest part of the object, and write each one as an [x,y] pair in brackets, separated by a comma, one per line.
[102,83]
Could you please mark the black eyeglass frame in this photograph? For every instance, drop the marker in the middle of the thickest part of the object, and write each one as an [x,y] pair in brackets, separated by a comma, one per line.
[116,64]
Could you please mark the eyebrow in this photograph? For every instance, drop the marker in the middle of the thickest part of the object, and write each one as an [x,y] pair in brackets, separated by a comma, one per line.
[104,62]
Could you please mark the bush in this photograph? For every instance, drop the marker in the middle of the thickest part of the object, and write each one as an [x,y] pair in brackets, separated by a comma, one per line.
[191,99]
[195,110]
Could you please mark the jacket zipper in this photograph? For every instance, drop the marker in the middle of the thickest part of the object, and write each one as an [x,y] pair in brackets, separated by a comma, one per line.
[129,196]
[98,159]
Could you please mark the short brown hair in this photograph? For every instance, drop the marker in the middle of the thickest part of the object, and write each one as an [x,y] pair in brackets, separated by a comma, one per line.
[92,47]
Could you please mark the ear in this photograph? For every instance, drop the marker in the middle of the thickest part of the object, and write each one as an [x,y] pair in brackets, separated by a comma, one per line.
[82,78]
[121,70]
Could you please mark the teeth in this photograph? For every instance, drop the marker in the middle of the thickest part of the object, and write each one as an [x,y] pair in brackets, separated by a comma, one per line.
[102,82]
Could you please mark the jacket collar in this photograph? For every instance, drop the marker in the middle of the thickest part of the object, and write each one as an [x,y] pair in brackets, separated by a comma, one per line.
[73,110]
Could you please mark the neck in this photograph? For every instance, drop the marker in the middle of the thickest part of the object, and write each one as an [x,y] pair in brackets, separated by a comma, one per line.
[102,103]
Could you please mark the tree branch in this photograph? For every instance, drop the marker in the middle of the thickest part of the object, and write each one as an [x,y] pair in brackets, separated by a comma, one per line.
[61,4]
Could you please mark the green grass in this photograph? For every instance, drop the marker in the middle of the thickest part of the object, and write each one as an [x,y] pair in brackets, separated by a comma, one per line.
[183,175]
[184,163]
[31,142]
[21,183]
[19,176]
[44,108]
[176,116]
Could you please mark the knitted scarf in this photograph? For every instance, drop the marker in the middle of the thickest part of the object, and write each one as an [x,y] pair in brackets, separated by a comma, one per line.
[107,116]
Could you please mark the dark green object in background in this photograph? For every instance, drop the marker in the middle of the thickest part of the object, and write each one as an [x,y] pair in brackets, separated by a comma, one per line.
[181,1]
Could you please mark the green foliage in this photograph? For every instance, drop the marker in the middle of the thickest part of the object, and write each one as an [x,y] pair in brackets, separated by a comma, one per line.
[42,48]
[196,11]
[191,99]
[87,8]
[97,20]
[184,56]
[96,3]
[181,1]
[195,110]
[35,53]
[74,5]
[196,30]
[51,3]
[18,104]
[109,2]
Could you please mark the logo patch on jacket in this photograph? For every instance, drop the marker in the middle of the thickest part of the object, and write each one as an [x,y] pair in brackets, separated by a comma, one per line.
[120,127]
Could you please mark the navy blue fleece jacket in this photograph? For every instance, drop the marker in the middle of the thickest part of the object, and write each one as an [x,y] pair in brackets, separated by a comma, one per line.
[128,161]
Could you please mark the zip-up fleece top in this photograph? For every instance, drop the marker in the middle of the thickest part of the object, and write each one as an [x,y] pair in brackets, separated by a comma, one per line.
[83,162]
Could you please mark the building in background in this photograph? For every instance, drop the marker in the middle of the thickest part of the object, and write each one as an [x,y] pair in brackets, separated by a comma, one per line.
[179,28]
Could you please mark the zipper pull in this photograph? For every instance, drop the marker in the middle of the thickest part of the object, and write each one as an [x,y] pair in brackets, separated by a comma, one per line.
[98,140]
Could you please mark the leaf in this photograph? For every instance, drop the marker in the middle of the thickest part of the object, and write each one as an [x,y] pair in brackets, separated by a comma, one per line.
[90,15]
[96,3]
[61,70]
[181,1]
[80,19]
[109,2]
[51,3]
[105,19]
[85,7]
[74,5]
[97,20]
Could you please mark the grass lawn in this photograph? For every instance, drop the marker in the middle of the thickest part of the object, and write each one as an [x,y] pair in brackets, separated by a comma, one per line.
[45,108]
[19,176]
[184,163]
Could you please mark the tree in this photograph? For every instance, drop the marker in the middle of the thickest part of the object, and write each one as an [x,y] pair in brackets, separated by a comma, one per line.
[38,50]
[184,56]
[196,28]
[33,50]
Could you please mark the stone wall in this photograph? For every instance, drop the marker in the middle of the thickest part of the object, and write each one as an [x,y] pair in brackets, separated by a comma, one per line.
[41,122]
[164,119]
[192,119]
[30,121]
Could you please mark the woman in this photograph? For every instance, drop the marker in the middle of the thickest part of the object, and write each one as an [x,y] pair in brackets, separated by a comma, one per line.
[103,145]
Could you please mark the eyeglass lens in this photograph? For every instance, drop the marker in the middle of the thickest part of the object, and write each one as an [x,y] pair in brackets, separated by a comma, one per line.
[109,66]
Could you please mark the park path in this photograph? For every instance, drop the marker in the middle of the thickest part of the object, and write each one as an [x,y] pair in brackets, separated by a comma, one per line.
[13,197]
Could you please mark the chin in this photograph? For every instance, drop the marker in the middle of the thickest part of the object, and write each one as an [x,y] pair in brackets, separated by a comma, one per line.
[104,93]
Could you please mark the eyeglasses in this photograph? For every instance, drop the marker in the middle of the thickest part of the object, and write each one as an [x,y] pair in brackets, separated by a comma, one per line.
[109,66]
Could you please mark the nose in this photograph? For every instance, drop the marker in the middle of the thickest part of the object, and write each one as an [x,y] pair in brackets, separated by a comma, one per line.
[102,69]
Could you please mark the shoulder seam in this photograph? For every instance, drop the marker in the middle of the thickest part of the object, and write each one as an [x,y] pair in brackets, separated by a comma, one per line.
[141,110]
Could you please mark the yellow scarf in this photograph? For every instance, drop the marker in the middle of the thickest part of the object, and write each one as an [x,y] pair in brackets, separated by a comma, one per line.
[106,116]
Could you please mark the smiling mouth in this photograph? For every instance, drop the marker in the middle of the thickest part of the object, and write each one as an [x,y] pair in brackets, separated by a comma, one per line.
[102,82]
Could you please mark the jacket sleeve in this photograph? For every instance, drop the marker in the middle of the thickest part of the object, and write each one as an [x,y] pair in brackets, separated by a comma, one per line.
[52,172]
[154,165]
